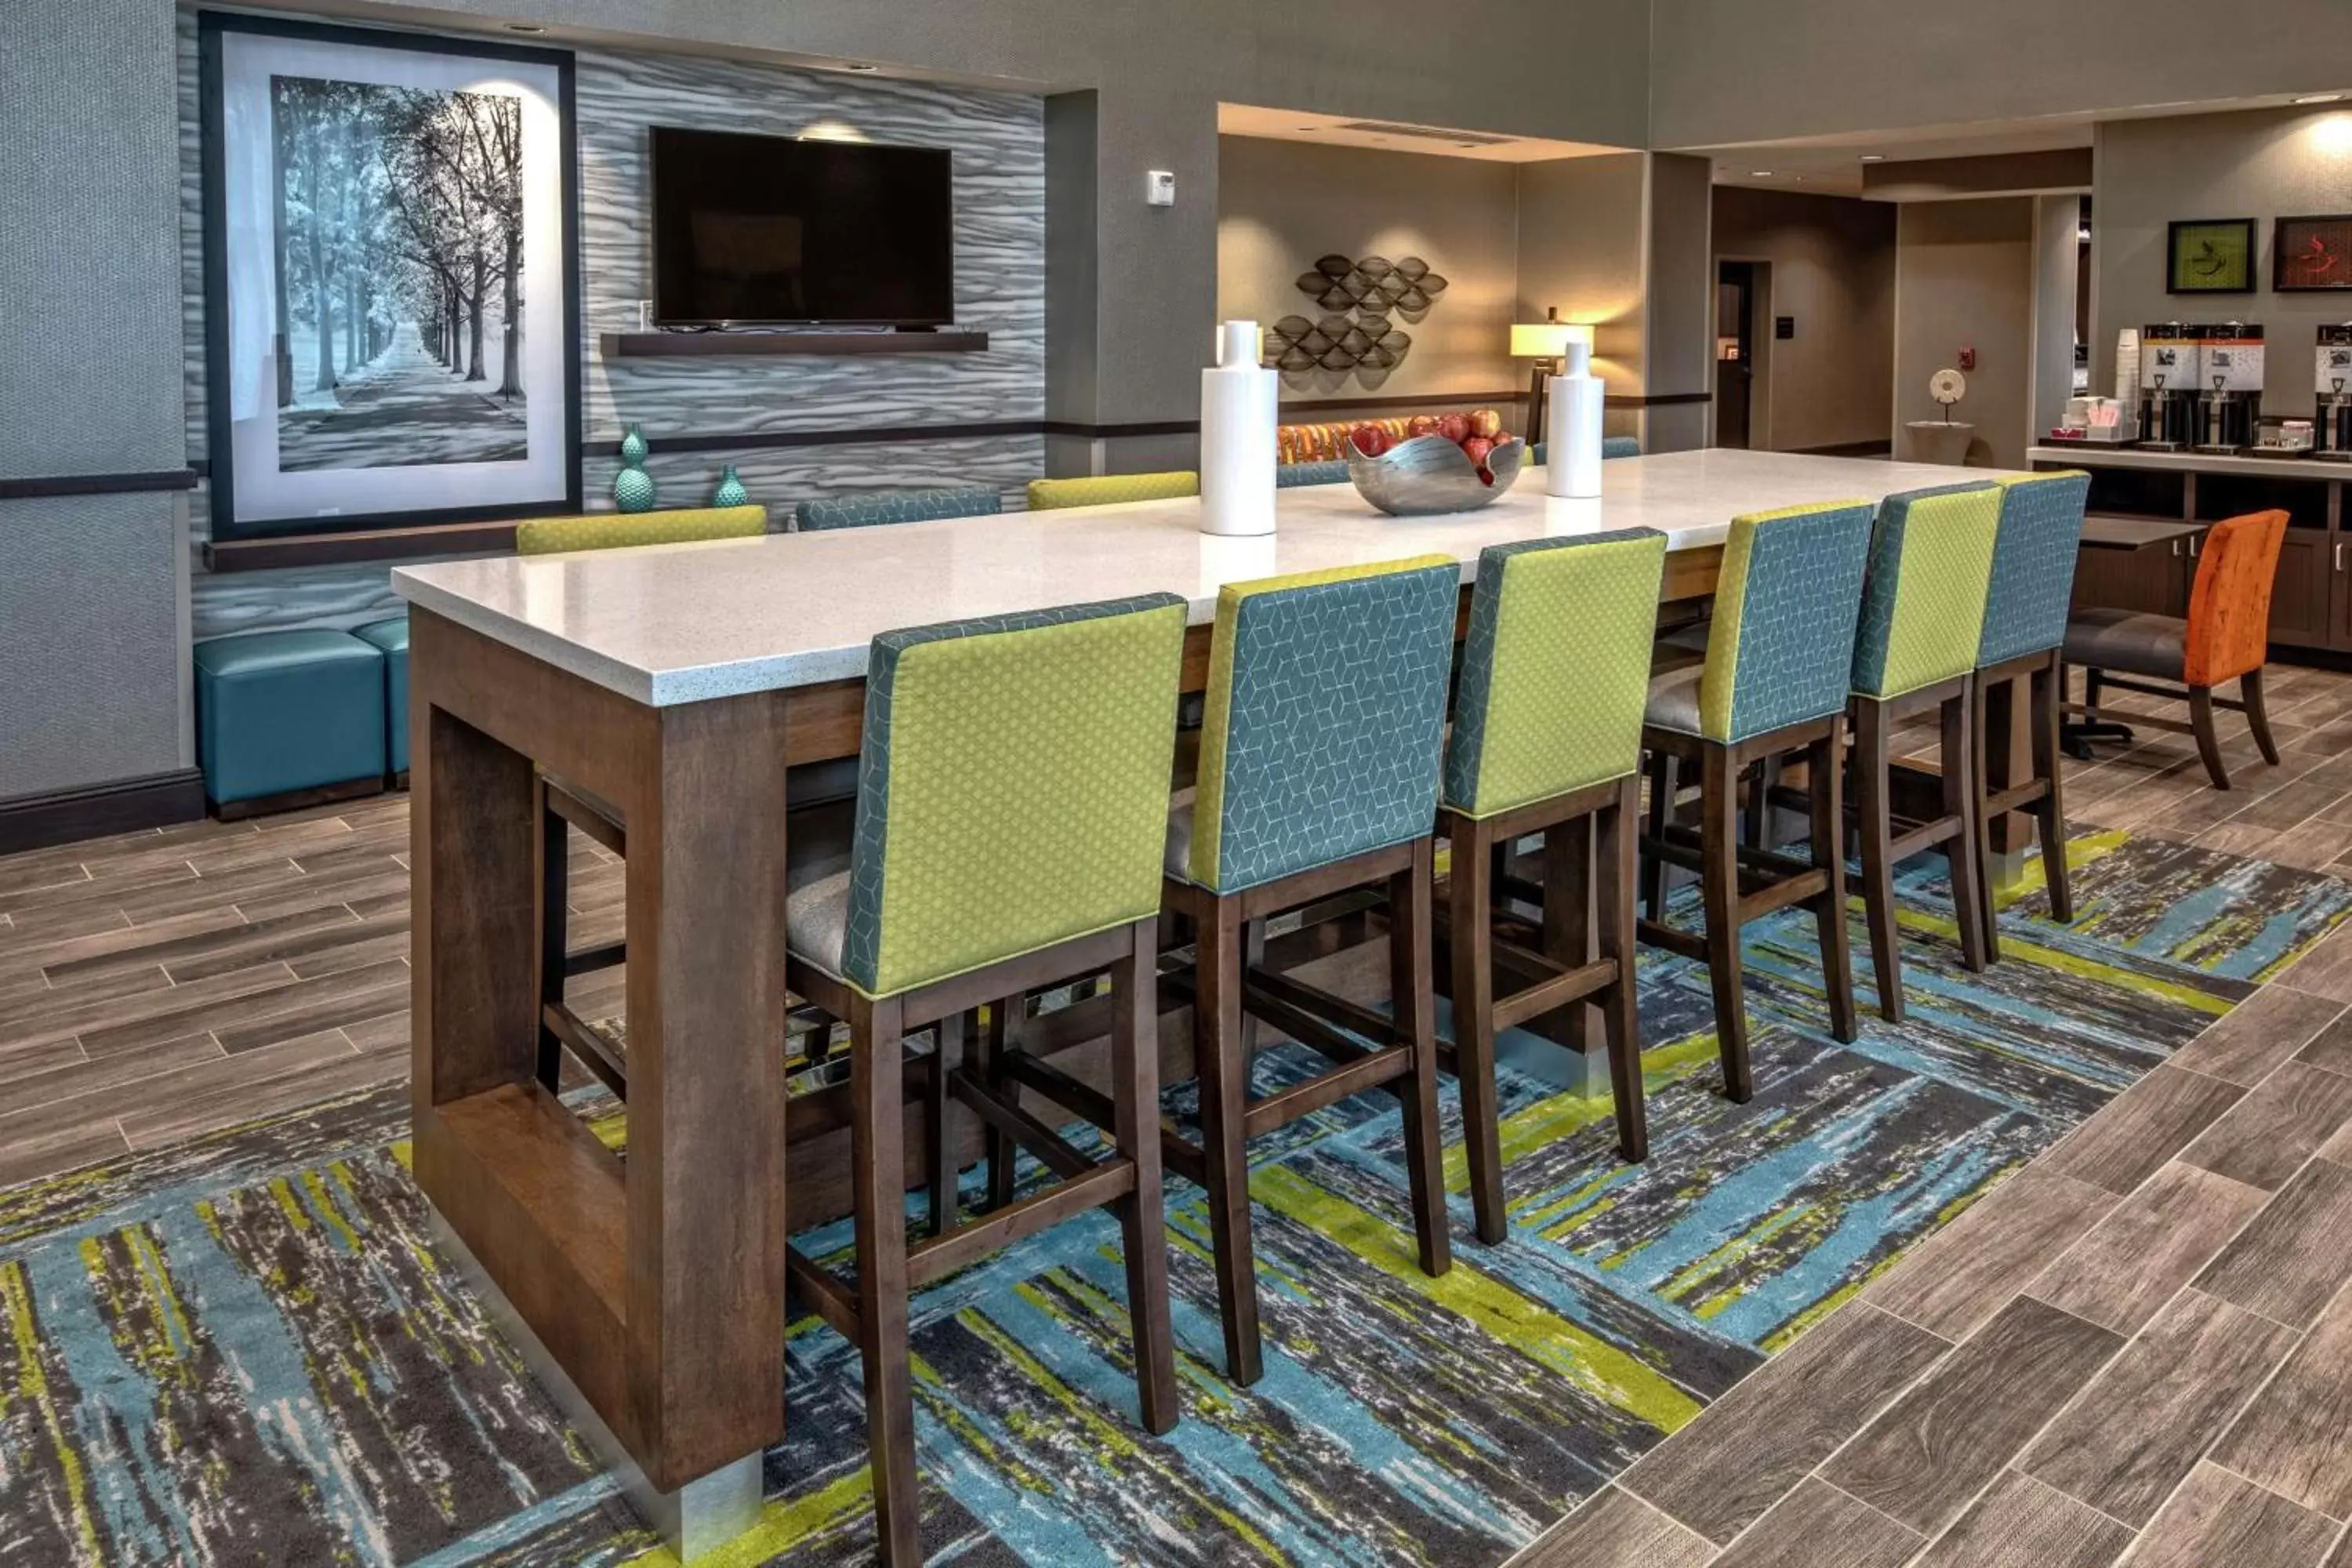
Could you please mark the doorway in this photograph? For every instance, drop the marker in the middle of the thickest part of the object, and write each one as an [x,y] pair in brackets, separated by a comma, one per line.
[1736,296]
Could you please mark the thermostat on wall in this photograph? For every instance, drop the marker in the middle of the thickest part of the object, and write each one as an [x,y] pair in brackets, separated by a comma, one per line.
[1160,187]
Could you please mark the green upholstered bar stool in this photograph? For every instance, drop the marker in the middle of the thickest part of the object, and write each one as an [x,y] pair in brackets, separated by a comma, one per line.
[1914,652]
[1547,739]
[624,529]
[1106,490]
[1775,681]
[896,506]
[1318,774]
[979,868]
[2032,584]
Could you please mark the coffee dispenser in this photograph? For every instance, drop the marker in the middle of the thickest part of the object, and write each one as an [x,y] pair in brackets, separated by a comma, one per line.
[2229,388]
[2170,365]
[2332,421]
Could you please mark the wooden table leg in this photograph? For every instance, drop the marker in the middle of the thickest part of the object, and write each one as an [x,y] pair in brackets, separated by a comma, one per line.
[651,1291]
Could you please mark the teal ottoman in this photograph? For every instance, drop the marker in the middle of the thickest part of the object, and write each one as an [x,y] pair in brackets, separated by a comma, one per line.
[283,714]
[392,636]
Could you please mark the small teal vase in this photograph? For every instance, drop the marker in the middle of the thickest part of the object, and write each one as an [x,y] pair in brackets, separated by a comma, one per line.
[634,449]
[730,490]
[633,490]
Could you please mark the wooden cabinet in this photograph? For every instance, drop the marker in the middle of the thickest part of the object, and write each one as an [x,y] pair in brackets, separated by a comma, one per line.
[2154,580]
[2307,603]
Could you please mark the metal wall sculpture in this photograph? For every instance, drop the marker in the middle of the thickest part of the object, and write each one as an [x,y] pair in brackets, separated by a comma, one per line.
[1357,334]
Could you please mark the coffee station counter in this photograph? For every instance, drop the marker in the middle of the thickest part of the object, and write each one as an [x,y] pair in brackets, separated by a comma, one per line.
[2090,455]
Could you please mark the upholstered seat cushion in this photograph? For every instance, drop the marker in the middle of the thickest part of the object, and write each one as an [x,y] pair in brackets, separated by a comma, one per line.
[1674,699]
[280,712]
[816,885]
[2132,641]
[1179,863]
[392,636]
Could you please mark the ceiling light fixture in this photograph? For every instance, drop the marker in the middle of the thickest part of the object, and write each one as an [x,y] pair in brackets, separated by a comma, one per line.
[524,28]
[1759,173]
[1873,157]
[863,67]
[2319,97]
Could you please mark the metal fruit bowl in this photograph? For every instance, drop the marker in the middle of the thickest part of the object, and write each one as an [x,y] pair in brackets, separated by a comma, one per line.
[1429,475]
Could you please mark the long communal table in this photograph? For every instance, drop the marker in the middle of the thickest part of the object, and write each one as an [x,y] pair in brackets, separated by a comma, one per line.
[678,684]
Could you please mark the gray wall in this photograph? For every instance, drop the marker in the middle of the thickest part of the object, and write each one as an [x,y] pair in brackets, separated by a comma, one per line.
[92,667]
[1964,277]
[1282,204]
[1833,268]
[1736,70]
[2257,165]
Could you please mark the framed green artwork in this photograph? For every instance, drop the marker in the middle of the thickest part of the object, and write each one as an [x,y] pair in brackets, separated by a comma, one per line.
[2210,255]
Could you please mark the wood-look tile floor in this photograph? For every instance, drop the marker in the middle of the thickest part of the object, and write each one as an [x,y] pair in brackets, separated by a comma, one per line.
[2142,1344]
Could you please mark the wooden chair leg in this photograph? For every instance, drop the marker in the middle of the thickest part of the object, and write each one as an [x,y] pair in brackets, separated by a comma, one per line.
[995,1039]
[2208,744]
[1719,890]
[1252,956]
[1826,764]
[2258,719]
[939,1162]
[1980,740]
[1414,1004]
[1871,786]
[2048,709]
[2091,681]
[1472,939]
[1661,812]
[877,1158]
[1567,883]
[554,932]
[1619,1011]
[1224,1098]
[1961,791]
[1142,1217]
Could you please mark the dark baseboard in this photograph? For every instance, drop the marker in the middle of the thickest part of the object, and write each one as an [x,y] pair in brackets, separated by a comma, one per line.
[298,799]
[1878,448]
[126,805]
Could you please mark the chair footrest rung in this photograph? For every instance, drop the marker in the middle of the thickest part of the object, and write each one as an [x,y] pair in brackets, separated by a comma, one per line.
[1317,1003]
[1571,985]
[943,1254]
[833,1301]
[1019,1125]
[588,960]
[1282,1109]
[1082,1101]
[590,1048]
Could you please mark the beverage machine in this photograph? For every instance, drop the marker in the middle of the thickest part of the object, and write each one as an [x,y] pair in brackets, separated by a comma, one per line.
[2229,388]
[2171,363]
[2332,421]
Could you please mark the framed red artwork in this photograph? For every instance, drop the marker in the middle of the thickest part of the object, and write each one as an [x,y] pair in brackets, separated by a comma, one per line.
[2310,253]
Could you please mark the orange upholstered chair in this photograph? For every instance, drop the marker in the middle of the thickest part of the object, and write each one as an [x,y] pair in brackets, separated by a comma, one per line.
[2226,637]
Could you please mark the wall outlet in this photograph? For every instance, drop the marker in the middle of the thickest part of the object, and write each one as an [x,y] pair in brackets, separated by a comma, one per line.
[1967,359]
[1160,188]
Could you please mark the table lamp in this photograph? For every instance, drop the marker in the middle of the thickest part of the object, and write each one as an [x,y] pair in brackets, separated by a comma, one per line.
[1546,342]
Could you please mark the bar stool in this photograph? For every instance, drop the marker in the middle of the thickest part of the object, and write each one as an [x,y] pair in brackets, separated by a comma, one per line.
[1547,739]
[1915,652]
[1106,490]
[1775,677]
[2033,579]
[977,868]
[1320,757]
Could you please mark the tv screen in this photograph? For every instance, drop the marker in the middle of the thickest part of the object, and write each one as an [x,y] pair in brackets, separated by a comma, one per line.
[762,229]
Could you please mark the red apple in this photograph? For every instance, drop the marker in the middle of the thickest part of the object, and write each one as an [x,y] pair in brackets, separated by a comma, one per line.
[1371,440]
[1486,422]
[1455,428]
[1421,424]
[1477,449]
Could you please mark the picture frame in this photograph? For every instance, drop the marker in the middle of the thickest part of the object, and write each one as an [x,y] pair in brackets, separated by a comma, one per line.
[2210,255]
[391,277]
[2311,255]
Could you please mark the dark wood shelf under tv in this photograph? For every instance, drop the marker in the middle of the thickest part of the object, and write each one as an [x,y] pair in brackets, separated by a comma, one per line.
[678,345]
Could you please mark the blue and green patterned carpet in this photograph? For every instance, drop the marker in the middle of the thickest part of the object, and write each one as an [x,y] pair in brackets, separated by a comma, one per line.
[247,1350]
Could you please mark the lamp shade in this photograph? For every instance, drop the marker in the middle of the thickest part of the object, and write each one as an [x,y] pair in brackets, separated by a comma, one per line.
[1546,340]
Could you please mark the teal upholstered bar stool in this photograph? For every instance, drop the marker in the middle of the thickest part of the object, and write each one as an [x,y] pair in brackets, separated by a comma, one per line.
[2032,581]
[896,506]
[1923,612]
[1318,774]
[1547,739]
[1775,681]
[1107,489]
[979,868]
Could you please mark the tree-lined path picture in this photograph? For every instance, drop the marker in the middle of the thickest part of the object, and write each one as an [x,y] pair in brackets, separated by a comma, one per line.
[398,229]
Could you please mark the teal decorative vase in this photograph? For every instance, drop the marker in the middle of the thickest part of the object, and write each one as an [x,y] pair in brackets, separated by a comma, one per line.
[633,489]
[730,490]
[634,449]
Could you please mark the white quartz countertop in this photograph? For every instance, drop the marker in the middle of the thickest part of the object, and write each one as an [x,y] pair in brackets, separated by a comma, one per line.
[684,623]
[2090,455]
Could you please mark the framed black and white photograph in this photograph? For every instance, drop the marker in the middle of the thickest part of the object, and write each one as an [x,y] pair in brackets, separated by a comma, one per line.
[392,290]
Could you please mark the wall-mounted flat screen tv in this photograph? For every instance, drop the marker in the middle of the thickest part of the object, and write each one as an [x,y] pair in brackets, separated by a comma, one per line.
[766,229]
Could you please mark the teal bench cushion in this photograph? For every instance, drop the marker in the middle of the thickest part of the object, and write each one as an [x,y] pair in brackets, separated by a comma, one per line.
[278,711]
[392,636]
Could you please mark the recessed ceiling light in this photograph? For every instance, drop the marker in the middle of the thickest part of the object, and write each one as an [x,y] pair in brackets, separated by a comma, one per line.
[1873,157]
[2319,97]
[865,68]
[1759,173]
[524,28]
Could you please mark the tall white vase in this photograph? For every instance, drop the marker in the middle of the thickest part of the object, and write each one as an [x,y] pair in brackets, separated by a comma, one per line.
[1572,457]
[1240,408]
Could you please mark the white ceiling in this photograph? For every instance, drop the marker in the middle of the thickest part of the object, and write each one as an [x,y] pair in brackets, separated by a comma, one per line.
[1353,130]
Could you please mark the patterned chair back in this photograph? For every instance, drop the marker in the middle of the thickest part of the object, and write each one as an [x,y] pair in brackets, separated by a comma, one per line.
[1930,569]
[1786,601]
[1326,718]
[1013,786]
[618,530]
[1555,669]
[896,506]
[2230,606]
[1106,490]
[1612,447]
[1322,472]
[2034,564]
